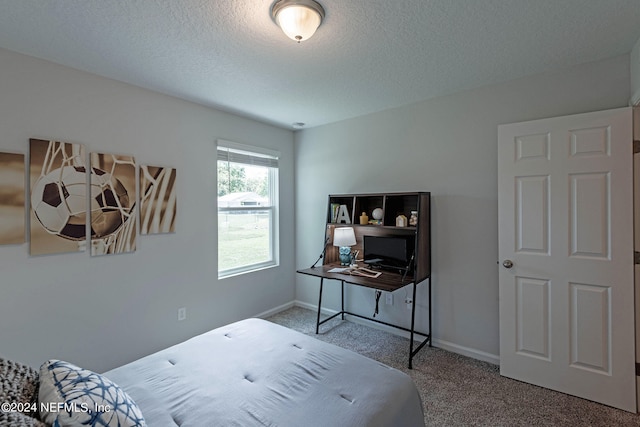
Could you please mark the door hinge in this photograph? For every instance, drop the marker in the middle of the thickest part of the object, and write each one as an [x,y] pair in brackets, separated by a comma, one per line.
[636,146]
[637,369]
[636,257]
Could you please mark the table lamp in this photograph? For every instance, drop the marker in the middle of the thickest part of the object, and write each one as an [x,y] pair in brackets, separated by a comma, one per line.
[344,238]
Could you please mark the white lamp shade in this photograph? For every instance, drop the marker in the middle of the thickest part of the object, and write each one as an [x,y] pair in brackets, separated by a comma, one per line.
[298,22]
[344,236]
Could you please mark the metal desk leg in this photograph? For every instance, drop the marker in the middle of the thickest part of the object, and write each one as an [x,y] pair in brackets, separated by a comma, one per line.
[430,321]
[413,320]
[342,285]
[319,305]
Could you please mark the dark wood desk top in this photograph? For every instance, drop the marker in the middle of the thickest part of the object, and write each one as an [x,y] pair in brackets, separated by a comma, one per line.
[388,281]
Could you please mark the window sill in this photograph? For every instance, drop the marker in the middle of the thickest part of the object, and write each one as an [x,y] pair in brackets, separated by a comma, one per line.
[245,270]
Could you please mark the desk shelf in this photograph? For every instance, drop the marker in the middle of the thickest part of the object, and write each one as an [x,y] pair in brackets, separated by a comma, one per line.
[387,281]
[392,205]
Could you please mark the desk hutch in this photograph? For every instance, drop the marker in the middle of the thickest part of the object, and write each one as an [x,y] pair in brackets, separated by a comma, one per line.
[418,271]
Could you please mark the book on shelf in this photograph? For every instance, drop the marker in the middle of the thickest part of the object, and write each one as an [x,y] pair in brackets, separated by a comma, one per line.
[334,212]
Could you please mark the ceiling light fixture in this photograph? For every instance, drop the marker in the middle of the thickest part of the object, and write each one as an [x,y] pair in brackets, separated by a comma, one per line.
[299,19]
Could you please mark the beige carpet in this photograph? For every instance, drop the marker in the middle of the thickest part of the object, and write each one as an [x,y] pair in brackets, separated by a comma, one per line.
[457,390]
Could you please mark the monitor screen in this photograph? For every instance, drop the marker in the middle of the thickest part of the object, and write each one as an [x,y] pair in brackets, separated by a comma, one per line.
[388,251]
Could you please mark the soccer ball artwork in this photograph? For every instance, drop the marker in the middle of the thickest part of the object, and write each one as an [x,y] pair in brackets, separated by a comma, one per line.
[59,203]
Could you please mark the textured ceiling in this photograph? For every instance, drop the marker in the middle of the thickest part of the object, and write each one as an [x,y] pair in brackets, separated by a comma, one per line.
[367,56]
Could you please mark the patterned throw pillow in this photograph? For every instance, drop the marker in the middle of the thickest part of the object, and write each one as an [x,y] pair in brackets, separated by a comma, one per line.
[70,395]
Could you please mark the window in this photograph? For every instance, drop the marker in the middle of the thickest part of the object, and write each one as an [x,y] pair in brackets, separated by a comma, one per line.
[247,208]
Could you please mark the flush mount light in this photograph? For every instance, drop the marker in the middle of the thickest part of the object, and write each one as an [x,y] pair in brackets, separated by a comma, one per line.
[299,19]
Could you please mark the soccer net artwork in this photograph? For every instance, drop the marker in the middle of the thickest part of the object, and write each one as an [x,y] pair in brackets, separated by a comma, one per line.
[62,202]
[113,204]
[157,200]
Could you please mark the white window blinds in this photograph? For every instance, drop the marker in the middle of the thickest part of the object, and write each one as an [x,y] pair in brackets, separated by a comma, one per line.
[233,152]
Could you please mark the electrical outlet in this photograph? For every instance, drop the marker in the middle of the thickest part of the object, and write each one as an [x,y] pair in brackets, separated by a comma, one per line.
[389,297]
[408,301]
[182,313]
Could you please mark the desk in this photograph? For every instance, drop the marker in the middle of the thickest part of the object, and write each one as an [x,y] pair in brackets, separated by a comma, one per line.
[389,282]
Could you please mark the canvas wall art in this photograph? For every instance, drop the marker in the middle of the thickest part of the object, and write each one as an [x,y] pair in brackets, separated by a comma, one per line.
[12,202]
[113,204]
[58,183]
[158,199]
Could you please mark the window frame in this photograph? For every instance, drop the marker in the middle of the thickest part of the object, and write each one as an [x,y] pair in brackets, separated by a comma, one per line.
[249,154]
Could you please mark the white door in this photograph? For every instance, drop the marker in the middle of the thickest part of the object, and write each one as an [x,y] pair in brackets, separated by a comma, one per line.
[565,212]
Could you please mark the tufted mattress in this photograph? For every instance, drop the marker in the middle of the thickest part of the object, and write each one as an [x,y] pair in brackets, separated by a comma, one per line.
[256,373]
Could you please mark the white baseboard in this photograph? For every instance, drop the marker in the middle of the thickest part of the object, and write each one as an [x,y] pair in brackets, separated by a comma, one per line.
[275,310]
[445,345]
[467,351]
[313,307]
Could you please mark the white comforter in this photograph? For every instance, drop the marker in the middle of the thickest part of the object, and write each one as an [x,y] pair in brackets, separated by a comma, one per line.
[256,373]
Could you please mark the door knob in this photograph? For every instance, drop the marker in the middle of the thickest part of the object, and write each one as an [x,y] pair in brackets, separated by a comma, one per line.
[507,263]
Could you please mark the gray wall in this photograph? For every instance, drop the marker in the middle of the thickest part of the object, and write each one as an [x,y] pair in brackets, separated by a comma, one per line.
[635,74]
[446,146]
[105,311]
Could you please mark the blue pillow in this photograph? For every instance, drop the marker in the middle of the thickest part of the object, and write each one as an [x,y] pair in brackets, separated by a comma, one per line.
[70,395]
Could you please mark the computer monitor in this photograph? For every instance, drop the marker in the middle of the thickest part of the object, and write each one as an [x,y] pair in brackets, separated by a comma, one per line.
[392,252]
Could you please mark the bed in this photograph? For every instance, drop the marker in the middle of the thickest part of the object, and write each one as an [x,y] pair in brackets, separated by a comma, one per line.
[255,372]
[248,373]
